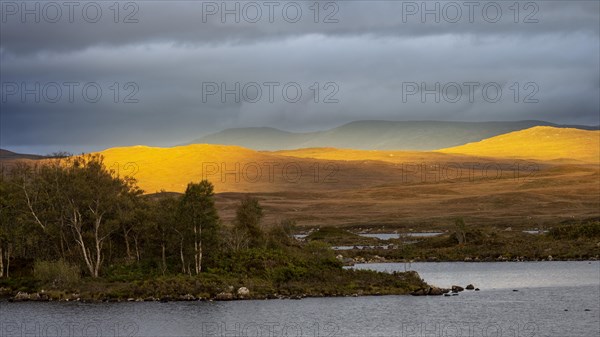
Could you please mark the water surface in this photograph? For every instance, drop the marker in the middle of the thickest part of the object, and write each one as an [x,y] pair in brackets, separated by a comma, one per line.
[546,290]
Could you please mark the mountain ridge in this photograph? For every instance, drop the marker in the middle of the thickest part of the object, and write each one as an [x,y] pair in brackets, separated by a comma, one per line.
[374,135]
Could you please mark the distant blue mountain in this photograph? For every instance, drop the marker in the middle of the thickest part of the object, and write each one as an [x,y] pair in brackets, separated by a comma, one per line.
[375,135]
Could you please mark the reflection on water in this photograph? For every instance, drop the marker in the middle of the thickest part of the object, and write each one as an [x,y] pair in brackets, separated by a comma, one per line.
[536,231]
[385,236]
[546,290]
[388,236]
[360,247]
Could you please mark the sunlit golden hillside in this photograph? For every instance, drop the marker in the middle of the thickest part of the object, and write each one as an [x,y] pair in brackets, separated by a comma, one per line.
[540,143]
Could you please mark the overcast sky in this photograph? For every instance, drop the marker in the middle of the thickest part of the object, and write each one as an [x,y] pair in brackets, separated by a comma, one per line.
[162,66]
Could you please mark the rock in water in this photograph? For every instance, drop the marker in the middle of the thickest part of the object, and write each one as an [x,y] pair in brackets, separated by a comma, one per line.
[435,291]
[456,289]
[420,292]
[470,287]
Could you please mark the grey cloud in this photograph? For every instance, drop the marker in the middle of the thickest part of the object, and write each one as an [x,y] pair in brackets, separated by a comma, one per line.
[187,22]
[369,55]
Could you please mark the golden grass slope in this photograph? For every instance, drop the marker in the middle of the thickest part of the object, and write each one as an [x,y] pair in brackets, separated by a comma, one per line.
[341,187]
[539,143]
[238,169]
[173,168]
[396,157]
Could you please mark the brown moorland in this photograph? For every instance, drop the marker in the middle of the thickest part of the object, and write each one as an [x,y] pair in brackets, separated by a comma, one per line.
[521,179]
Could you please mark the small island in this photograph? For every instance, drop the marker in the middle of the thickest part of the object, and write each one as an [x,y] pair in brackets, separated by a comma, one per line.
[73,230]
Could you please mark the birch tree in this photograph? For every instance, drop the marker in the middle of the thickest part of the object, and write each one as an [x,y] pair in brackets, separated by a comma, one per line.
[198,216]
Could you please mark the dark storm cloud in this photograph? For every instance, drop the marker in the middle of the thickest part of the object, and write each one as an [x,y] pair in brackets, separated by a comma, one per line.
[202,21]
[374,53]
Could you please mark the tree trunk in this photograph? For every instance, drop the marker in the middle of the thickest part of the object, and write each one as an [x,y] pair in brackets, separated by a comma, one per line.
[84,250]
[164,258]
[197,249]
[98,248]
[1,262]
[126,236]
[137,247]
[181,256]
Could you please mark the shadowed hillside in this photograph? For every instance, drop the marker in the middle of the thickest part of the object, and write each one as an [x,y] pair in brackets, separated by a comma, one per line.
[9,155]
[373,135]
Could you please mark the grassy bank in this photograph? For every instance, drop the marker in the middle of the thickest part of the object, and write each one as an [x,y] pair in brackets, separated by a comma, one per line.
[566,241]
[297,271]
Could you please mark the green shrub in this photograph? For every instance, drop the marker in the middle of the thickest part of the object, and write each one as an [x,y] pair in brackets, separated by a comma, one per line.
[57,273]
[575,231]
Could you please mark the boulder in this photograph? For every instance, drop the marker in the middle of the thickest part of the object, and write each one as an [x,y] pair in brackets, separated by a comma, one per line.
[470,287]
[420,292]
[457,289]
[243,292]
[224,296]
[435,291]
[348,261]
[187,297]
[21,296]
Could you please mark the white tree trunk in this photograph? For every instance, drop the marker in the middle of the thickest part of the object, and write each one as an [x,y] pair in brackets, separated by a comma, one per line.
[182,256]
[198,249]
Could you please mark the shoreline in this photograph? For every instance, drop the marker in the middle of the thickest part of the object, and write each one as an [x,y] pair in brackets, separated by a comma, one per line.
[418,288]
[193,299]
[471,260]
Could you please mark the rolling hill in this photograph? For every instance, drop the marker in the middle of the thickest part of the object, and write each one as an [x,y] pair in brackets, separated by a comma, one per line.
[373,135]
[341,187]
[237,169]
[539,143]
[350,187]
[9,155]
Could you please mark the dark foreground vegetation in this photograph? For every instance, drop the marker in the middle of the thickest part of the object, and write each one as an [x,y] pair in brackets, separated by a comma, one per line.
[575,240]
[70,229]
